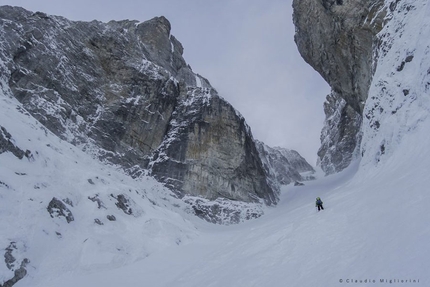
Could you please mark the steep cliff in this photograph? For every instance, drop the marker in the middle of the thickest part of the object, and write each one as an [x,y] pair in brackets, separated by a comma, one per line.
[284,166]
[398,107]
[209,151]
[337,38]
[123,92]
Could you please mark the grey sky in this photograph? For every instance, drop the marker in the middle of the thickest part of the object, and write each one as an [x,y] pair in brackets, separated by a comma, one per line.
[245,48]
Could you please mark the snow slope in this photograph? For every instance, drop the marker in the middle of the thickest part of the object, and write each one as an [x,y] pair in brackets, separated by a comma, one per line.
[375,228]
[90,190]
[371,229]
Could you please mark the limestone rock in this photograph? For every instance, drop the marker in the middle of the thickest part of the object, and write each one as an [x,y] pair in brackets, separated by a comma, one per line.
[224,211]
[209,151]
[111,217]
[340,137]
[283,166]
[123,204]
[123,92]
[7,144]
[127,205]
[17,266]
[336,37]
[57,208]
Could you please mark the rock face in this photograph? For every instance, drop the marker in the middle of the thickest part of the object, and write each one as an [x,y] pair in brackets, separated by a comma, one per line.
[210,149]
[283,166]
[340,137]
[123,92]
[337,38]
[398,105]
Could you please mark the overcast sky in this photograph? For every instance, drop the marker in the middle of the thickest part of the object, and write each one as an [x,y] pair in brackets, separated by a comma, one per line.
[245,48]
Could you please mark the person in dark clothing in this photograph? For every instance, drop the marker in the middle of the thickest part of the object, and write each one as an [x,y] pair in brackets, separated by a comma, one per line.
[319,204]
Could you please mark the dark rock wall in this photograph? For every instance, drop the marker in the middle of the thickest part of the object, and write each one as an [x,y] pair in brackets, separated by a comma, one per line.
[210,151]
[337,39]
[123,92]
[282,165]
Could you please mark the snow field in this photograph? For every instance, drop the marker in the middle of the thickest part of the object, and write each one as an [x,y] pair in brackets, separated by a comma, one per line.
[375,226]
[58,169]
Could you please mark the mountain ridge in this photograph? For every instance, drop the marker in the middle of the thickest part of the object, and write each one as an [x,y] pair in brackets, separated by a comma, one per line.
[122,91]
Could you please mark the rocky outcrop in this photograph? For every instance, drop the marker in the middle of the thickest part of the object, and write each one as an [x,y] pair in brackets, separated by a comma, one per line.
[7,145]
[210,151]
[127,205]
[123,92]
[282,165]
[57,208]
[223,211]
[14,265]
[337,38]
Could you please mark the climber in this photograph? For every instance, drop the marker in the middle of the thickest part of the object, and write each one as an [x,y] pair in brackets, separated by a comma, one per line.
[319,204]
